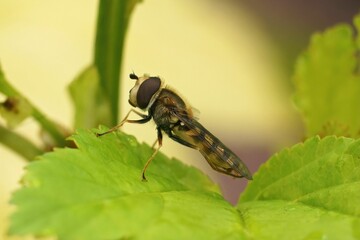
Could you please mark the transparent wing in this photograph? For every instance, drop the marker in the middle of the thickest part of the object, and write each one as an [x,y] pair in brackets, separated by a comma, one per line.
[219,157]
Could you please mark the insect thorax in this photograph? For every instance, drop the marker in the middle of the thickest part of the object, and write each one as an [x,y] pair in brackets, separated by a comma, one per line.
[164,106]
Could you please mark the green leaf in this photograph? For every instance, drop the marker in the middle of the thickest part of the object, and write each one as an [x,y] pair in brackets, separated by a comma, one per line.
[327,83]
[91,107]
[278,220]
[357,26]
[96,192]
[311,191]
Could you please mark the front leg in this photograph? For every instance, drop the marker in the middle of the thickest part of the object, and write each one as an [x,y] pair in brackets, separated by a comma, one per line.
[144,119]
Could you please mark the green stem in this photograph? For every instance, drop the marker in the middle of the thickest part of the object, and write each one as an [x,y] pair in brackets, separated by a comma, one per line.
[19,144]
[48,125]
[113,19]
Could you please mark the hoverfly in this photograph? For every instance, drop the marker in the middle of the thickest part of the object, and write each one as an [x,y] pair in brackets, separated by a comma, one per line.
[174,117]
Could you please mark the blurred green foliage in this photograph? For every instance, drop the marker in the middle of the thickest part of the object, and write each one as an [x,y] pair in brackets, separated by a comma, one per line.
[327,82]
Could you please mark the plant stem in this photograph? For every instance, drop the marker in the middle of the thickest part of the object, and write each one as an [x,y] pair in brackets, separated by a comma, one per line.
[113,19]
[19,144]
[48,125]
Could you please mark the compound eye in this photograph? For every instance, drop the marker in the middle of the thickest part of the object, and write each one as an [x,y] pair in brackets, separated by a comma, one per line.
[146,90]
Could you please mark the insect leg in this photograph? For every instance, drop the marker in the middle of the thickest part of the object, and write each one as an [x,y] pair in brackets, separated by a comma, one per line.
[153,146]
[159,140]
[144,119]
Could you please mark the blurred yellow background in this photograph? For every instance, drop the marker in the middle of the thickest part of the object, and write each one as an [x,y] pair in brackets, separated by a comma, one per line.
[217,54]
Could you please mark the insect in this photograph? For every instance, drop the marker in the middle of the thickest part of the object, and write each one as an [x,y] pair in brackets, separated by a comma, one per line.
[174,117]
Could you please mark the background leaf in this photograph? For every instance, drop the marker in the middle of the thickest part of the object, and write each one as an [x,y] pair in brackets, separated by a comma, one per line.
[311,191]
[327,83]
[91,106]
[96,192]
